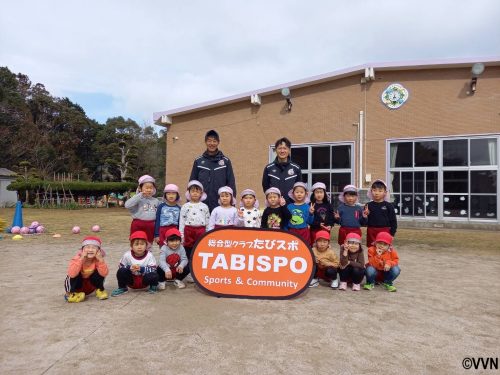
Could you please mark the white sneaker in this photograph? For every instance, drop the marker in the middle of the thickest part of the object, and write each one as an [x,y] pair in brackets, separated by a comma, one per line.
[314,283]
[179,284]
[335,284]
[161,285]
[189,278]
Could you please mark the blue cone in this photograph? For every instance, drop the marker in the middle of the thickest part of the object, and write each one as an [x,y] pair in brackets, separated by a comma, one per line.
[18,215]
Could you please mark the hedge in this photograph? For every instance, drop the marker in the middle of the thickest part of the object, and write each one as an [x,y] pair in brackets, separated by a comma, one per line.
[84,188]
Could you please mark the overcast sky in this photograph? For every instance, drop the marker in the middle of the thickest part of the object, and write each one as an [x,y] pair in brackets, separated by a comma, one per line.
[132,58]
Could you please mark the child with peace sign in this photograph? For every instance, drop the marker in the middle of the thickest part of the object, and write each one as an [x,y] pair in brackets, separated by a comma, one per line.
[323,212]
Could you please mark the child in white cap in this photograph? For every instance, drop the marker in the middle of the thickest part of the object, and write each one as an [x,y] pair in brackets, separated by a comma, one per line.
[142,207]
[275,216]
[302,212]
[349,214]
[194,218]
[249,209]
[167,213]
[225,214]
[86,271]
[323,212]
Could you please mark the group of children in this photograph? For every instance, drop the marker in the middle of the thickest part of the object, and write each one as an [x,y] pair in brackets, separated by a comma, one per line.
[176,229]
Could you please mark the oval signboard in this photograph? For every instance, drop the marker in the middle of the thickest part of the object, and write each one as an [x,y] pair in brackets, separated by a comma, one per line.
[252,263]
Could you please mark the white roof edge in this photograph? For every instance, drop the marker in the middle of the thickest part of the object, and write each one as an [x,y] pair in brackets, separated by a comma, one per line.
[337,74]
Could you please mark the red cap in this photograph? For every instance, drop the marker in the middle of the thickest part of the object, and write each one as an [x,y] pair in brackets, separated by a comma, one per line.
[353,237]
[139,235]
[384,237]
[172,232]
[323,234]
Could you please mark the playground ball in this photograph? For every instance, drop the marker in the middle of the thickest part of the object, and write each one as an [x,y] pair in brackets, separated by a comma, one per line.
[40,229]
[96,228]
[31,230]
[57,235]
[76,229]
[24,230]
[15,230]
[34,224]
[17,237]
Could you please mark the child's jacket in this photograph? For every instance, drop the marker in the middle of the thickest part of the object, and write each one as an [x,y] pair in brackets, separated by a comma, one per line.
[389,257]
[326,258]
[77,266]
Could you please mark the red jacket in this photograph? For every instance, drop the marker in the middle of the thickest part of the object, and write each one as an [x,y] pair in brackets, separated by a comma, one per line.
[389,257]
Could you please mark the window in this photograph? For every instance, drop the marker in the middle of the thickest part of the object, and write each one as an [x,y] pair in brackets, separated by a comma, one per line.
[331,164]
[466,169]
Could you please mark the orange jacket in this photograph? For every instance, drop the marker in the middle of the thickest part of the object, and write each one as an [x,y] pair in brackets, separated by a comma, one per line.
[77,265]
[389,257]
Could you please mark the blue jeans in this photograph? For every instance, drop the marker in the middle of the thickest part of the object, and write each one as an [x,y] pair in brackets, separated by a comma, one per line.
[389,276]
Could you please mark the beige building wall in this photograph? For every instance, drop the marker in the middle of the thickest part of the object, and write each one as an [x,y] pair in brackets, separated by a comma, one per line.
[438,105]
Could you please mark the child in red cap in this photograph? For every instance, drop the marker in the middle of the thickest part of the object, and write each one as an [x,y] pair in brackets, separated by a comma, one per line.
[352,262]
[327,262]
[173,260]
[86,272]
[382,263]
[137,268]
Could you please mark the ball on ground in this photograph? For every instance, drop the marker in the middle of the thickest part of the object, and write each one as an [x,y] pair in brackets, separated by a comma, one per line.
[96,228]
[76,229]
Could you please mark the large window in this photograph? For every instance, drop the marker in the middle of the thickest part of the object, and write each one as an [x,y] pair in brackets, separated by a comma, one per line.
[331,163]
[446,178]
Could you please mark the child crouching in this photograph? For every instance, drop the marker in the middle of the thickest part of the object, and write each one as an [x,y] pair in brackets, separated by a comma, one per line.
[173,260]
[327,262]
[352,262]
[86,272]
[383,263]
[137,268]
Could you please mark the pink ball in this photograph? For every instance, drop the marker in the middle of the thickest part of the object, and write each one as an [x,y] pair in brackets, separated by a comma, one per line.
[15,230]
[24,230]
[40,229]
[34,224]
[96,228]
[76,229]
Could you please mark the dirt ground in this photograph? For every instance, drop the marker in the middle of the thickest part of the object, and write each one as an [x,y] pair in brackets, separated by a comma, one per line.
[446,308]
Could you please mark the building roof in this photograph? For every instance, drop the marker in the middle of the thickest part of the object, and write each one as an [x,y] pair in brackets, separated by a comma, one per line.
[337,74]
[4,172]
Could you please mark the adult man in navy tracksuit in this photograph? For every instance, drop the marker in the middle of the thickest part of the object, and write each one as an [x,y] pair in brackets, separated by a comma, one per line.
[213,170]
[281,173]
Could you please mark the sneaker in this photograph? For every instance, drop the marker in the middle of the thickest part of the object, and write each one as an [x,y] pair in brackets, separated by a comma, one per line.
[314,283]
[101,294]
[356,287]
[75,297]
[179,284]
[368,286]
[335,284]
[162,285]
[153,289]
[389,287]
[119,291]
[189,278]
[343,285]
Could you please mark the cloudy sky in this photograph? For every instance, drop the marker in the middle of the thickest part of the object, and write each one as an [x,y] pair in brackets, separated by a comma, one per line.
[132,58]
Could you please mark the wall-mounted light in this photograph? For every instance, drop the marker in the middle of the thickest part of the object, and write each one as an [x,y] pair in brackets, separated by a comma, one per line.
[285,92]
[477,70]
[175,138]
